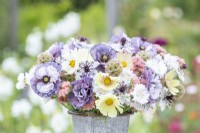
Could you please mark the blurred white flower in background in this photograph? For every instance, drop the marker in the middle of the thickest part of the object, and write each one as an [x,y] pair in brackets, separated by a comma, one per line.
[173,12]
[65,27]
[21,81]
[59,123]
[1,117]
[34,98]
[191,89]
[155,13]
[21,107]
[34,43]
[6,89]
[179,107]
[33,129]
[11,65]
[49,107]
[36,129]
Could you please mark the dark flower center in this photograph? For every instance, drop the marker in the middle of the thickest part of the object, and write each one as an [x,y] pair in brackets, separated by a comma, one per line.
[142,48]
[46,79]
[104,58]
[123,41]
[170,98]
[86,68]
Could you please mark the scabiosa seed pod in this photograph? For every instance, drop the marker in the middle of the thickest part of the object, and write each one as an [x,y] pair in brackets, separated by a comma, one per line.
[44,57]
[113,67]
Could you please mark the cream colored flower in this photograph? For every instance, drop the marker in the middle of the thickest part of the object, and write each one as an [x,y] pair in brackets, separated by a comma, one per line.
[108,105]
[125,59]
[74,58]
[171,82]
[106,82]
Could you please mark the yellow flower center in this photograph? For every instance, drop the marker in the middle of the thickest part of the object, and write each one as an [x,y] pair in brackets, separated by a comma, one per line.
[46,79]
[109,101]
[72,63]
[124,64]
[107,80]
[105,57]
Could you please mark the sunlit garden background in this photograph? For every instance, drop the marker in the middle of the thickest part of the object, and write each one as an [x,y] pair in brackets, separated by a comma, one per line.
[28,27]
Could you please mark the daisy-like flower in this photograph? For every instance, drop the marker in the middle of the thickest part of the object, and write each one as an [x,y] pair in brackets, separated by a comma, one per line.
[45,80]
[108,105]
[125,59]
[106,82]
[171,82]
[74,58]
[140,94]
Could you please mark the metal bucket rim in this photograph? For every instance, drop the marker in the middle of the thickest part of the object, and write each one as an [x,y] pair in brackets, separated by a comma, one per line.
[89,115]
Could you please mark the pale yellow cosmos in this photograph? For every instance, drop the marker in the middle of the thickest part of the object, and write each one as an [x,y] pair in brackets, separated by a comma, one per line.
[108,105]
[125,59]
[106,82]
[172,83]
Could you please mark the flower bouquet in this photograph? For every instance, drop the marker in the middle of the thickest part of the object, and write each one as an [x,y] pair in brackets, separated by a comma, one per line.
[112,80]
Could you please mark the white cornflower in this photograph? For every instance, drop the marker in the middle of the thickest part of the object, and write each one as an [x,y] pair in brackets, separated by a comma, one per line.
[140,94]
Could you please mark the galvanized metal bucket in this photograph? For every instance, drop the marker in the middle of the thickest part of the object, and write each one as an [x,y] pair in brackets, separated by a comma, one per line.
[94,124]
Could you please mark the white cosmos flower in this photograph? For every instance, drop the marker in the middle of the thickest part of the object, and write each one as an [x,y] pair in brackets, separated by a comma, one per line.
[125,59]
[21,107]
[6,89]
[158,66]
[59,123]
[10,64]
[140,94]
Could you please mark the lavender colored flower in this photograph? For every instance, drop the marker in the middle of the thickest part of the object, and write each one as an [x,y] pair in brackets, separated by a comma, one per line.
[121,38]
[55,49]
[82,92]
[139,43]
[153,84]
[87,69]
[81,42]
[45,80]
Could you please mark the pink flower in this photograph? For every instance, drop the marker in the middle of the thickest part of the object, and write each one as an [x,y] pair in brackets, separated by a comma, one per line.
[138,65]
[89,106]
[64,91]
[135,80]
[175,127]
[160,50]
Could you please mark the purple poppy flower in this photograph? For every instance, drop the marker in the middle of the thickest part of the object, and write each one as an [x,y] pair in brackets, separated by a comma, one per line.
[160,41]
[140,43]
[102,53]
[121,38]
[81,42]
[82,92]
[45,80]
[55,49]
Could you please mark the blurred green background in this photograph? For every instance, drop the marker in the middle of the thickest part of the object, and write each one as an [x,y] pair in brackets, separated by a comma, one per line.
[28,27]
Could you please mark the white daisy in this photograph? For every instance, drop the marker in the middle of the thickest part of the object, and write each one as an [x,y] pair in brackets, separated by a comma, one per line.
[125,59]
